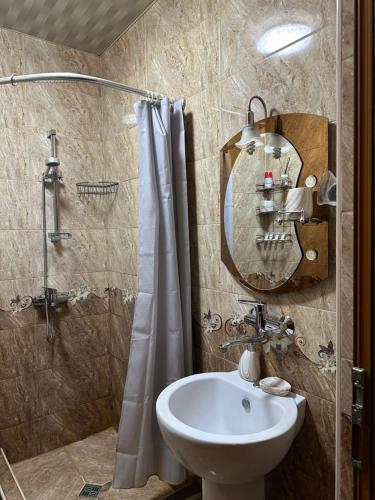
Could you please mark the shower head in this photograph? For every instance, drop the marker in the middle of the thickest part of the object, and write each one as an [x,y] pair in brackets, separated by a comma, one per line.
[53,160]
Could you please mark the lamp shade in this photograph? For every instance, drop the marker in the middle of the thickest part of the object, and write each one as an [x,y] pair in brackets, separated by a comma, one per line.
[273,140]
[250,135]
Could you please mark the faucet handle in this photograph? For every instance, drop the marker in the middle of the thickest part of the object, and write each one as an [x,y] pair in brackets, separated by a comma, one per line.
[251,302]
[258,305]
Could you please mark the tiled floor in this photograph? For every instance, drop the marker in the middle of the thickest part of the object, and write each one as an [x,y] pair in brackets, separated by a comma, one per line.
[60,474]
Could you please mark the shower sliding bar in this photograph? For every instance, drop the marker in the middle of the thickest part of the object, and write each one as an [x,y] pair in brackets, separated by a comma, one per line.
[39,77]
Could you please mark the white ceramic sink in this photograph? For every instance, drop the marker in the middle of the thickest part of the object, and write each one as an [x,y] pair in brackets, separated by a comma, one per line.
[228,432]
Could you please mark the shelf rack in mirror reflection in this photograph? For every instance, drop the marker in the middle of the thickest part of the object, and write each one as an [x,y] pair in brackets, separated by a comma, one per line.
[274,238]
[284,216]
[277,185]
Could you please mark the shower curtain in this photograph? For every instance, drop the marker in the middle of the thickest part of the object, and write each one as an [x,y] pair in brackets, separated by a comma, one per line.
[161,346]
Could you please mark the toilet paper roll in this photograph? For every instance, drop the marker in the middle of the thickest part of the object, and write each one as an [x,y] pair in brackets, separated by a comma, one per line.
[298,199]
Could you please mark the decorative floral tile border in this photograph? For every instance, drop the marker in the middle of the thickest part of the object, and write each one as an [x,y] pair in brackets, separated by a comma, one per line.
[235,327]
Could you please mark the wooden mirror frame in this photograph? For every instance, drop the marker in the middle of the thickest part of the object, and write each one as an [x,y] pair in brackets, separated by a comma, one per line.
[309,136]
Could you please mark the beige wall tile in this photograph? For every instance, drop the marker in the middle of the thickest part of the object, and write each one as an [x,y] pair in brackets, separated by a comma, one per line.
[84,253]
[288,82]
[123,250]
[348,28]
[243,23]
[204,189]
[205,255]
[347,139]
[347,290]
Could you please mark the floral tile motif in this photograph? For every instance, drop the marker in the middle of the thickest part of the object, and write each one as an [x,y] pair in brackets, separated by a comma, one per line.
[80,292]
[235,327]
[211,322]
[20,303]
[326,354]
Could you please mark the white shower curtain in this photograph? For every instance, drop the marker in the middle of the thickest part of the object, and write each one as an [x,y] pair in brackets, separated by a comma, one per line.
[161,350]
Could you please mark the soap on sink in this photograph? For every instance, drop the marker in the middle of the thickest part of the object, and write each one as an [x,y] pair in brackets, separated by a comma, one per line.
[275,385]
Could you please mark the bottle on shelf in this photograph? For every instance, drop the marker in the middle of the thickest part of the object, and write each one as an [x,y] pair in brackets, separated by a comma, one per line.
[268,180]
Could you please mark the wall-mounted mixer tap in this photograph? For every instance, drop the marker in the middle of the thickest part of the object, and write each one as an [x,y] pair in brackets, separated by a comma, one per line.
[265,326]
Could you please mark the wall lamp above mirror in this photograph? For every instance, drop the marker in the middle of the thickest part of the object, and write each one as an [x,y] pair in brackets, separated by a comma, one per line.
[251,136]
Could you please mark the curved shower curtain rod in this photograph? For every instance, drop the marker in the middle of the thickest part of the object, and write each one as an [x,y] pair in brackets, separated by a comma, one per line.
[39,77]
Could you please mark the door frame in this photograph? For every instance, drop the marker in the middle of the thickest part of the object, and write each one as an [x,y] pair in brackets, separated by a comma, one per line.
[364,344]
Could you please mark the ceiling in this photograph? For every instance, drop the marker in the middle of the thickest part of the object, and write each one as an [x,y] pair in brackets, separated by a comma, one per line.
[90,25]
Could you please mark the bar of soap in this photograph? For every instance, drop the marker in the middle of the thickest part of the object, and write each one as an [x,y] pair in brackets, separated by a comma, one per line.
[275,385]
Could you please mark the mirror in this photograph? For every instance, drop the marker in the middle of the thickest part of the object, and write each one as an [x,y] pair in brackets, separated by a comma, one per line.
[274,236]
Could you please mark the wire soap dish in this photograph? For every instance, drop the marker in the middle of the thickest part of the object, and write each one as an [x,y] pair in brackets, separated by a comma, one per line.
[98,187]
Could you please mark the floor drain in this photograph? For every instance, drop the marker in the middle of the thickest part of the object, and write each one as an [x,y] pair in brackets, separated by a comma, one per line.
[90,491]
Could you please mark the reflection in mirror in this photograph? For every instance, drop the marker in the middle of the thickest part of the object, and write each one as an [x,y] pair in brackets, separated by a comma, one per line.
[261,236]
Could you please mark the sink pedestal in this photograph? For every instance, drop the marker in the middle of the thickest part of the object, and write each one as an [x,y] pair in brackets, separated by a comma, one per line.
[245,491]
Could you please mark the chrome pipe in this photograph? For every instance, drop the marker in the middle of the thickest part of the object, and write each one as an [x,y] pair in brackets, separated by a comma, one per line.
[64,76]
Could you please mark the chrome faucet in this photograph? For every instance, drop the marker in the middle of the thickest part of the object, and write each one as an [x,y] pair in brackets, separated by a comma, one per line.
[265,326]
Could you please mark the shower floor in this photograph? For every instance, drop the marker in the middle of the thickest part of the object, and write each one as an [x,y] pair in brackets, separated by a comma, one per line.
[61,474]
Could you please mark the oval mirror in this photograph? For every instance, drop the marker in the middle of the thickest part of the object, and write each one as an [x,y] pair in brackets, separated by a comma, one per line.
[270,225]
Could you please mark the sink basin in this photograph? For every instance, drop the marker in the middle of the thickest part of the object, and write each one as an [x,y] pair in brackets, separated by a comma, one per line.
[228,432]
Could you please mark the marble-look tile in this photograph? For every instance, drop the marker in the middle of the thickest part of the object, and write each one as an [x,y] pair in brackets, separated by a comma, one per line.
[348,28]
[288,82]
[308,321]
[186,66]
[72,424]
[347,472]
[167,20]
[41,56]
[203,191]
[28,317]
[317,459]
[19,442]
[243,24]
[120,146]
[71,113]
[125,60]
[81,159]
[8,483]
[16,206]
[84,253]
[153,490]
[18,400]
[208,362]
[94,457]
[348,131]
[205,255]
[202,124]
[123,212]
[118,113]
[48,476]
[118,378]
[13,154]
[73,383]
[120,333]
[302,374]
[347,285]
[280,484]
[122,286]
[18,255]
[76,339]
[123,250]
[11,49]
[75,211]
[19,352]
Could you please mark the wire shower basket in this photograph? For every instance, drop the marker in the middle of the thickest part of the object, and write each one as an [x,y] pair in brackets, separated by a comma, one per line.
[98,187]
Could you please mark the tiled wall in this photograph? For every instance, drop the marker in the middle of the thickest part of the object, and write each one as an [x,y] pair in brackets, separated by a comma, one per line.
[50,394]
[347,245]
[206,52]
